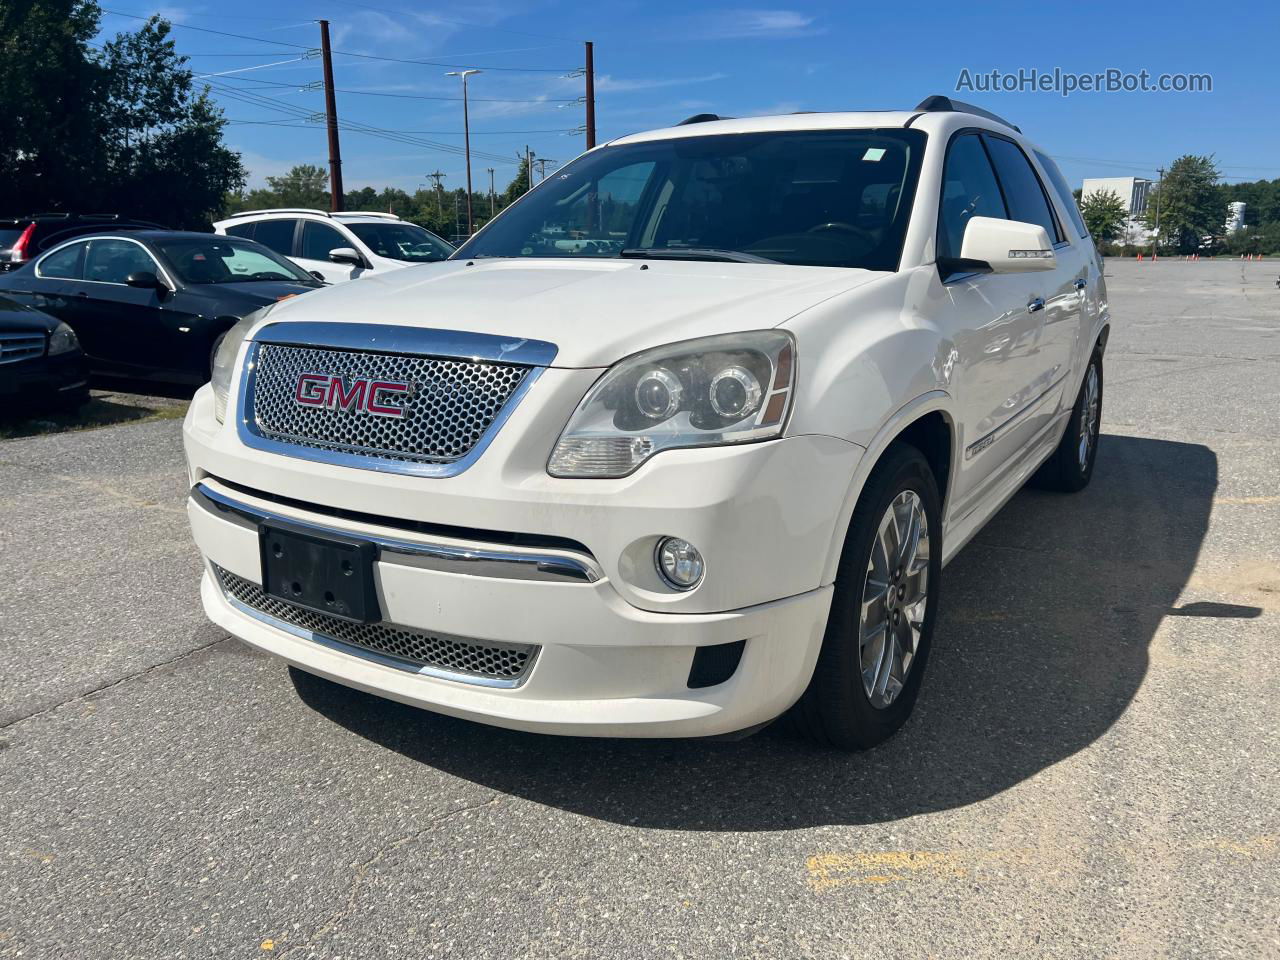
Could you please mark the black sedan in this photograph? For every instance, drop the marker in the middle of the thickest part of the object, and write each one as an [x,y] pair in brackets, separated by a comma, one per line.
[151,304]
[41,364]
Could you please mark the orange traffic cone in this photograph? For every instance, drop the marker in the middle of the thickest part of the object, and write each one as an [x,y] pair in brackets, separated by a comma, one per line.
[1139,258]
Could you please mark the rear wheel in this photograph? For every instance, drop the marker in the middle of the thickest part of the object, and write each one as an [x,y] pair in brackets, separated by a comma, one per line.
[883,609]
[1071,466]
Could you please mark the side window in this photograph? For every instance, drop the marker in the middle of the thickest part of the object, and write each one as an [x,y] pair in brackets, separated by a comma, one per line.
[1063,191]
[276,234]
[241,230]
[969,189]
[1022,188]
[318,239]
[112,261]
[63,265]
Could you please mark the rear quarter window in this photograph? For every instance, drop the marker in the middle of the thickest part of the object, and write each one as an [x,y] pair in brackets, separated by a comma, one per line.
[242,230]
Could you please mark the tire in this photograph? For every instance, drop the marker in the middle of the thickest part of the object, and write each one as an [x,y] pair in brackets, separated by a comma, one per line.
[1070,467]
[841,708]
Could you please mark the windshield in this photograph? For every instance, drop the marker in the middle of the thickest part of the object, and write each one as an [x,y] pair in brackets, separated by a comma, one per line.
[228,260]
[401,241]
[838,198]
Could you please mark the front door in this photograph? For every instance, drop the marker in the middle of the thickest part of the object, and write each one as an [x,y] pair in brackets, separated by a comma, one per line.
[121,328]
[313,252]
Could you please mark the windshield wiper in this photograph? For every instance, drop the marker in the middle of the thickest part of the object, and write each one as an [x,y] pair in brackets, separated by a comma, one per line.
[692,253]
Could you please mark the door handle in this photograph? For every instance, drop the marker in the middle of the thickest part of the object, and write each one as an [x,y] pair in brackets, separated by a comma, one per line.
[1081,283]
[1036,304]
[81,293]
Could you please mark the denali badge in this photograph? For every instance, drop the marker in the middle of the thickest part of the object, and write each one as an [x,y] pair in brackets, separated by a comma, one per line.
[351,394]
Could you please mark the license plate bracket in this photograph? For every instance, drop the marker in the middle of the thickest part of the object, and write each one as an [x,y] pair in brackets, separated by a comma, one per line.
[324,572]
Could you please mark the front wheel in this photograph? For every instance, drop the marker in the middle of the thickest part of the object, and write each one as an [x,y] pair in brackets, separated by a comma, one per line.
[1070,467]
[882,611]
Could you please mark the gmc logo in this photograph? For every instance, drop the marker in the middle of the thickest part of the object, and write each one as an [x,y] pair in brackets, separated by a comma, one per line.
[352,394]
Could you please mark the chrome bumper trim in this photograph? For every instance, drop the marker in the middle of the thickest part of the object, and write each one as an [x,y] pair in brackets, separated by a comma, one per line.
[474,561]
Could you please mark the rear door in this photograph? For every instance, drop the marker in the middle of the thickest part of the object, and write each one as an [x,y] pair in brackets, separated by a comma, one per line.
[313,253]
[51,284]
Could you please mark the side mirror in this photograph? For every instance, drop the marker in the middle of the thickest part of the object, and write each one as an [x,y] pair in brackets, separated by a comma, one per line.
[346,255]
[1007,246]
[145,280]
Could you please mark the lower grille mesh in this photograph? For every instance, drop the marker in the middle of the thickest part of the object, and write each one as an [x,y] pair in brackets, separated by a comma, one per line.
[504,663]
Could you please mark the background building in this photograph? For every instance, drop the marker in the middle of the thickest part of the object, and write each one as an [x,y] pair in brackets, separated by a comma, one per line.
[1235,216]
[1133,192]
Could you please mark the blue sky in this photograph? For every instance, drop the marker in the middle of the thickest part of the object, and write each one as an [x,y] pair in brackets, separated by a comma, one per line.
[657,62]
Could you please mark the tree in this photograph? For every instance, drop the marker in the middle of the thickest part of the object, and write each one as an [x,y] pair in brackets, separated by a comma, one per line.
[1190,207]
[518,187]
[49,131]
[1104,214]
[124,131]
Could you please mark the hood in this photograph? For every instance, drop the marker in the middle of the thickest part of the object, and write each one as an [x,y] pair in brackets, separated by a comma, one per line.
[16,318]
[595,311]
[252,293]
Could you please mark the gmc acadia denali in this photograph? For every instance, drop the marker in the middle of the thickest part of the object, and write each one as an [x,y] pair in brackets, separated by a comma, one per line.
[680,441]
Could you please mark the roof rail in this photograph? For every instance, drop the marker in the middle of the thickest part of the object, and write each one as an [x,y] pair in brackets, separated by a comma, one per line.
[702,118]
[940,104]
[366,213]
[251,213]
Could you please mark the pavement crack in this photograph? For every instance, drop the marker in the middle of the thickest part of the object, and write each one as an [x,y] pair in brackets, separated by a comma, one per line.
[362,871]
[43,711]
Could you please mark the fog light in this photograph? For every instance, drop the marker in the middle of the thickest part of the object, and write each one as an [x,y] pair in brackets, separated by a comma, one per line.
[679,563]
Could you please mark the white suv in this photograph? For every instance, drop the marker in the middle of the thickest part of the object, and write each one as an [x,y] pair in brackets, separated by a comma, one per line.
[339,246]
[678,482]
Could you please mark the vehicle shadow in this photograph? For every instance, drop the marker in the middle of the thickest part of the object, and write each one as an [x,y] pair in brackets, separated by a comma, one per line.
[1041,646]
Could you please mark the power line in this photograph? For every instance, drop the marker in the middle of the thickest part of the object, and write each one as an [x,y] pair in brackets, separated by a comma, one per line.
[414,96]
[344,53]
[437,133]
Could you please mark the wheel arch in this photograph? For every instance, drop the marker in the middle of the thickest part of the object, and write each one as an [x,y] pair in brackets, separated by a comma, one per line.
[927,424]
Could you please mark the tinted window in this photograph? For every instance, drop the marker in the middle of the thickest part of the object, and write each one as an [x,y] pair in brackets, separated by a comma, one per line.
[401,241]
[242,230]
[1063,191]
[318,240]
[969,189]
[228,260]
[838,198]
[1022,189]
[113,261]
[63,265]
[276,234]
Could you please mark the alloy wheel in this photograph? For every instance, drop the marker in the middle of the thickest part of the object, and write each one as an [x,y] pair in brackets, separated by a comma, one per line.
[894,596]
[1089,418]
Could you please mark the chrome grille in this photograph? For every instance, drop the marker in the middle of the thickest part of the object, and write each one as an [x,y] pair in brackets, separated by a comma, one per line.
[20,346]
[452,404]
[493,663]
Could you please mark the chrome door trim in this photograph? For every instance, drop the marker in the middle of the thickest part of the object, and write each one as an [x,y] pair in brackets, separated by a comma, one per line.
[475,561]
[387,338]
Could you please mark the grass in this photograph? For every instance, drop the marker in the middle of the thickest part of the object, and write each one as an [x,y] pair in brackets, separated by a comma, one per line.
[102,410]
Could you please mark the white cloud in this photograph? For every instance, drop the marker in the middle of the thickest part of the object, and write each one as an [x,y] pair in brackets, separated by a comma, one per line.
[738,24]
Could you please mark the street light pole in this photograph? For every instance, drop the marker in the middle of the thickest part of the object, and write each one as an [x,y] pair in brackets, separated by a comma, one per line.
[466,137]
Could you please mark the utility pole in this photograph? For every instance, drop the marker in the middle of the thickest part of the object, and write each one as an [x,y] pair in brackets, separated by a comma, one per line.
[528,165]
[591,95]
[1155,241]
[331,121]
[466,136]
[542,167]
[437,177]
[493,199]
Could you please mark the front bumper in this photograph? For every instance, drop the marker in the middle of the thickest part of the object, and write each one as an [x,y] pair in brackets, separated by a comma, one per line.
[615,650]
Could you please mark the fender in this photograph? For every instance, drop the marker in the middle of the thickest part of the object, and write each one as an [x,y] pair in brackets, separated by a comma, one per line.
[935,400]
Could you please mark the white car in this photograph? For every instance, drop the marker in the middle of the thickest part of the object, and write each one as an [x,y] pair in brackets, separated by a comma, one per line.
[339,246]
[674,489]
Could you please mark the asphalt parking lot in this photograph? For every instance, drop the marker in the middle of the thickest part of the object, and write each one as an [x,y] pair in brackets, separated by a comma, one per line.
[1092,770]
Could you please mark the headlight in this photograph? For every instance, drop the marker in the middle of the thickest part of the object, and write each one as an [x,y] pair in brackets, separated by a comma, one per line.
[224,360]
[62,340]
[700,393]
